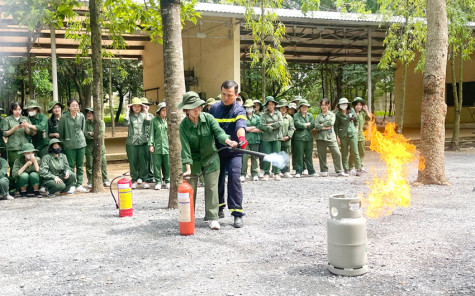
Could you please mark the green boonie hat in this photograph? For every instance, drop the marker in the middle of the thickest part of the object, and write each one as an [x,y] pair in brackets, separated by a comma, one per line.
[27,147]
[32,104]
[191,100]
[89,109]
[218,97]
[145,101]
[54,140]
[297,98]
[244,96]
[211,101]
[136,101]
[270,99]
[257,102]
[52,104]
[343,101]
[248,103]
[292,106]
[304,102]
[358,100]
[160,107]
[282,103]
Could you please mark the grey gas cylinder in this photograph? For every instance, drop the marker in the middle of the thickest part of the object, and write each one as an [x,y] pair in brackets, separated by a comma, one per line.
[346,232]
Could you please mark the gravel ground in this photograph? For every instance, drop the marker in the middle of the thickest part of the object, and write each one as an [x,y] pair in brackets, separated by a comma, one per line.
[77,245]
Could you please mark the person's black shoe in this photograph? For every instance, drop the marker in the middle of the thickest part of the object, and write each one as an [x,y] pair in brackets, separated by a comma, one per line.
[238,223]
[37,194]
[23,194]
[221,213]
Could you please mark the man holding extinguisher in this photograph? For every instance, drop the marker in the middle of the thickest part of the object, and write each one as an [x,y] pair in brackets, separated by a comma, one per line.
[231,117]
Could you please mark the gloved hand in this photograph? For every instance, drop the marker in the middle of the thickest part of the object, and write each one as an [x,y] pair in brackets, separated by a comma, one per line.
[242,142]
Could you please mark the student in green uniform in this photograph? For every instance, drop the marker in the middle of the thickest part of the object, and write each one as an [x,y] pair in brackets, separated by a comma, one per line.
[158,146]
[56,110]
[26,171]
[3,149]
[4,182]
[71,128]
[89,135]
[55,171]
[271,127]
[326,139]
[209,102]
[258,112]
[346,122]
[16,128]
[253,137]
[136,144]
[304,123]
[147,104]
[198,131]
[39,127]
[291,111]
[364,115]
[288,130]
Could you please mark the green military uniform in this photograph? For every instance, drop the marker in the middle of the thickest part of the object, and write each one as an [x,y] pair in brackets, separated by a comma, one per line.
[303,140]
[71,132]
[15,140]
[198,149]
[362,118]
[271,127]
[53,121]
[29,178]
[253,141]
[288,129]
[3,148]
[159,141]
[136,144]
[56,166]
[90,151]
[327,139]
[40,139]
[4,182]
[345,127]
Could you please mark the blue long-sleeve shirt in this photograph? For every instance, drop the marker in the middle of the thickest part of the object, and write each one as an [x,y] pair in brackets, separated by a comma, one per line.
[230,118]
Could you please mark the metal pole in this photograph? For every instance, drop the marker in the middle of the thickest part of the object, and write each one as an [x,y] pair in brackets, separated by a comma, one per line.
[53,62]
[369,70]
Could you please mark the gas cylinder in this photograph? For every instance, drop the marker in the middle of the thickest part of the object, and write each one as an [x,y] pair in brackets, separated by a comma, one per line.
[125,197]
[346,229]
[186,209]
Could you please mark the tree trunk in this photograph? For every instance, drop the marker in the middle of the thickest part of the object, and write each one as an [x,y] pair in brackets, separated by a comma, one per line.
[390,105]
[402,101]
[458,100]
[174,88]
[96,59]
[121,102]
[434,108]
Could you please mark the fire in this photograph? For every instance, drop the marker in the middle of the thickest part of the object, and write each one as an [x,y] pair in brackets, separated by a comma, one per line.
[391,190]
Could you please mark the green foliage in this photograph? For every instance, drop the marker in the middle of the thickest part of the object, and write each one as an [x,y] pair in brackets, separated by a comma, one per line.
[42,83]
[461,40]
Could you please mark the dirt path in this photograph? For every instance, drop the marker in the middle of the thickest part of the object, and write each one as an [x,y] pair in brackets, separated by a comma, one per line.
[77,245]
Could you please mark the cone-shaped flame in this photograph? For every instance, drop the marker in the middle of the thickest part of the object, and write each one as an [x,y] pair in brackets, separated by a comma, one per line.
[392,190]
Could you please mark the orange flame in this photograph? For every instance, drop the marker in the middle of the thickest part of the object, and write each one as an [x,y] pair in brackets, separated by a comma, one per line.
[392,190]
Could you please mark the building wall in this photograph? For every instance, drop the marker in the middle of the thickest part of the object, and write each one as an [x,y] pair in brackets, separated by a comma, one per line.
[412,109]
[213,59]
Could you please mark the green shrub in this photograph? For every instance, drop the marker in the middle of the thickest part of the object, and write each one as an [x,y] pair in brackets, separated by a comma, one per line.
[381,113]
[107,119]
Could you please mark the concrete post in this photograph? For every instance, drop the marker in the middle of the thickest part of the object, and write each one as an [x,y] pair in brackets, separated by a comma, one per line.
[54,67]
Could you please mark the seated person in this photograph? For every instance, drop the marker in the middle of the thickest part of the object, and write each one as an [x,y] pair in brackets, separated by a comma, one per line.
[55,170]
[26,171]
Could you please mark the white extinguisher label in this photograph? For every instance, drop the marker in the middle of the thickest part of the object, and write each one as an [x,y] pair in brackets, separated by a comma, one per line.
[184,207]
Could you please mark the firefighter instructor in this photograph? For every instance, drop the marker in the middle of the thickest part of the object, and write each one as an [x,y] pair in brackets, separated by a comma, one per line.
[231,117]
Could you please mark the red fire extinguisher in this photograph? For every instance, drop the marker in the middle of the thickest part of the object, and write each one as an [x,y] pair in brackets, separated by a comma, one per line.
[125,197]
[186,209]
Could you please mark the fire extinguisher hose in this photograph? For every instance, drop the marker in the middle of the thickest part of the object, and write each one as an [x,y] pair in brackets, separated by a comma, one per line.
[112,193]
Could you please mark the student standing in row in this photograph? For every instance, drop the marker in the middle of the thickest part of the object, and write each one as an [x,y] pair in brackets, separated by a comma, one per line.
[288,129]
[71,128]
[253,137]
[304,123]
[138,123]
[363,115]
[158,146]
[271,127]
[56,110]
[326,139]
[89,135]
[346,122]
[39,127]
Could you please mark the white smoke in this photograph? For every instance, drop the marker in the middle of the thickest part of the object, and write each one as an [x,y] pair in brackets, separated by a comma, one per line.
[279,160]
